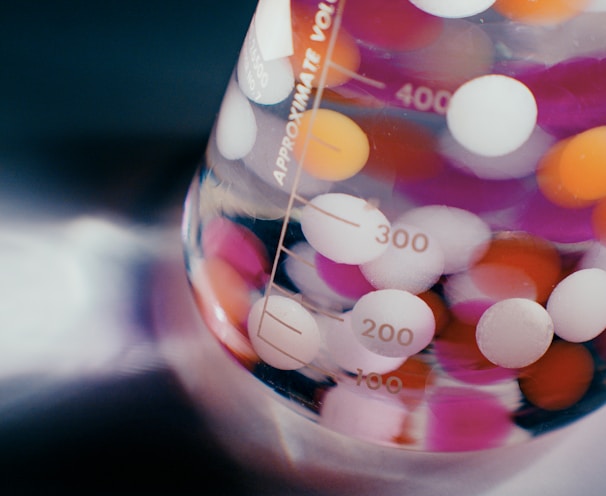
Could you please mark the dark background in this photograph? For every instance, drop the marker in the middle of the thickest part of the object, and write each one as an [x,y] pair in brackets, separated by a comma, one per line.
[106,107]
[110,103]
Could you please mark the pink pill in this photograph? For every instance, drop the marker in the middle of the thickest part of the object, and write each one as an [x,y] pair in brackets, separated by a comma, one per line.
[345,279]
[459,189]
[463,419]
[239,247]
[540,217]
[396,25]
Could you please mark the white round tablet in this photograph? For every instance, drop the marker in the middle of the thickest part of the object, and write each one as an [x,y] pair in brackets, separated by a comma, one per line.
[393,323]
[413,261]
[236,124]
[283,333]
[266,82]
[492,115]
[347,351]
[345,228]
[514,333]
[462,235]
[577,305]
[453,8]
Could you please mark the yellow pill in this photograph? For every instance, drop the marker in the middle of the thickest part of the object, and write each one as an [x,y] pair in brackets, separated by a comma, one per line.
[583,165]
[330,145]
[540,11]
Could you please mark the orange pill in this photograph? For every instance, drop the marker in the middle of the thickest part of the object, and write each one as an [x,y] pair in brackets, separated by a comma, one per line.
[230,291]
[534,256]
[560,378]
[540,11]
[415,376]
[550,182]
[583,165]
[400,149]
[598,219]
[330,145]
[438,307]
[311,39]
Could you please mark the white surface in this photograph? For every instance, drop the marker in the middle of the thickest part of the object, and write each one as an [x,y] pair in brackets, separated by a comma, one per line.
[492,115]
[393,323]
[283,332]
[344,228]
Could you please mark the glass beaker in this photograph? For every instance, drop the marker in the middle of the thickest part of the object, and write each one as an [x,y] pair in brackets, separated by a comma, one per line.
[398,231]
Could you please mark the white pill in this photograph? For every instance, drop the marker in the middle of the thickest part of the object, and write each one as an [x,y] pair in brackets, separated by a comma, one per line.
[347,351]
[283,333]
[577,305]
[236,124]
[413,261]
[344,228]
[393,323]
[514,333]
[274,28]
[301,270]
[263,81]
[454,8]
[520,163]
[359,412]
[463,236]
[492,115]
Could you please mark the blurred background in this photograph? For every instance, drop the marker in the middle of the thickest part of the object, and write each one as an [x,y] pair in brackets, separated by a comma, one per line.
[105,110]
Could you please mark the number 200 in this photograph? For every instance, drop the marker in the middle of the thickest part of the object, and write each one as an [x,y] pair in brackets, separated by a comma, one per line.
[387,333]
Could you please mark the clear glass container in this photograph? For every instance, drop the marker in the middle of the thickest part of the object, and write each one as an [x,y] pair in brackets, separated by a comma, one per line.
[398,232]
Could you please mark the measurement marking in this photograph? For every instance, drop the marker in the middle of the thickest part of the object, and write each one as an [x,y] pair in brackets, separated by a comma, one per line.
[298,173]
[354,75]
[299,298]
[299,258]
[277,319]
[326,212]
[309,365]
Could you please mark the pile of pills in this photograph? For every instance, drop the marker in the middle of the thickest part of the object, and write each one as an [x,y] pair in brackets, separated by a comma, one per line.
[404,207]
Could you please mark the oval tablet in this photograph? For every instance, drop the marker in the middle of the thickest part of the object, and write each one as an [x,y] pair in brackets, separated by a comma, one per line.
[514,333]
[413,261]
[344,228]
[283,333]
[330,145]
[236,124]
[577,305]
[393,323]
[463,235]
[492,115]
[347,351]
[263,81]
